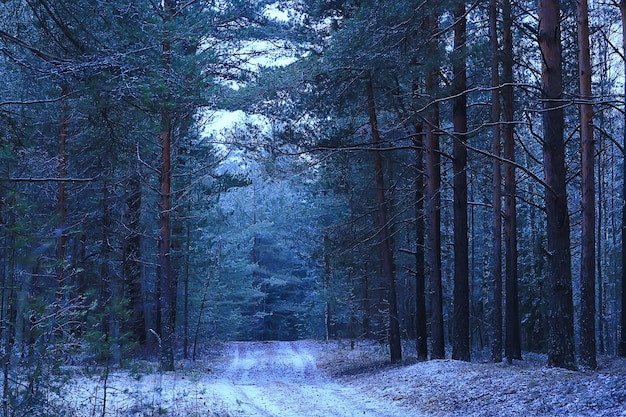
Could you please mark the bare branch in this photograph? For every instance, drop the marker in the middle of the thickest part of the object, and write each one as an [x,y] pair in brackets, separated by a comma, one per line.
[46,179]
[41,54]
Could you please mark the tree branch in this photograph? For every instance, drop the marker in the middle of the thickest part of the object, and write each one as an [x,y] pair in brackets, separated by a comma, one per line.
[45,179]
[43,55]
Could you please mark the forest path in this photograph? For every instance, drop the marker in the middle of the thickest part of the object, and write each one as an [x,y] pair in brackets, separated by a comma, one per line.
[315,379]
[281,379]
[238,379]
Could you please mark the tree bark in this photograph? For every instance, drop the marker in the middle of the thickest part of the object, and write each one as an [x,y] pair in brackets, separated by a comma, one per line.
[513,345]
[433,201]
[164,244]
[561,310]
[384,239]
[328,312]
[421,329]
[496,354]
[621,348]
[588,243]
[461,312]
[168,290]
[187,277]
[61,235]
[60,320]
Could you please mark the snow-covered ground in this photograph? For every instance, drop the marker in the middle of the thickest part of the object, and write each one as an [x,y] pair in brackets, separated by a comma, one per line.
[310,378]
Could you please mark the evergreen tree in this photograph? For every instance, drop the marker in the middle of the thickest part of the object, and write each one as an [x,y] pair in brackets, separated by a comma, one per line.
[588,249]
[561,316]
[461,338]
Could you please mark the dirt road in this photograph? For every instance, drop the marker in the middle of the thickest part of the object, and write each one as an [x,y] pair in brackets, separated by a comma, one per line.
[281,379]
[248,379]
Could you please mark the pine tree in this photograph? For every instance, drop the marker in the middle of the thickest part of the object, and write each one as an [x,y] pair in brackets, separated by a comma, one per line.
[496,355]
[433,197]
[622,339]
[461,319]
[386,254]
[588,249]
[561,315]
[513,348]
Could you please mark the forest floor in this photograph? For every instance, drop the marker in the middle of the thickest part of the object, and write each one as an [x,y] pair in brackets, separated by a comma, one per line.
[311,378]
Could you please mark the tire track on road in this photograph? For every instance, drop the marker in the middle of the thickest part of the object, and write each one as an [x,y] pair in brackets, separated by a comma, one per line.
[281,379]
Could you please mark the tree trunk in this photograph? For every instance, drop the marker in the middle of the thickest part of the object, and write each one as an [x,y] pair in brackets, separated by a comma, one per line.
[600,249]
[621,348]
[561,310]
[328,312]
[367,306]
[384,239]
[60,321]
[421,329]
[61,235]
[164,245]
[168,290]
[10,303]
[496,354]
[433,200]
[588,244]
[461,323]
[512,345]
[187,276]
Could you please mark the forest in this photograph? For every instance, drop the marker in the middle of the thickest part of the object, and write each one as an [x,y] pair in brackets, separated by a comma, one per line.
[440,173]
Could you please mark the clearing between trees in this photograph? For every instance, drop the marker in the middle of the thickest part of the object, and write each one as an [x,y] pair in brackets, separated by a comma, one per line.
[312,378]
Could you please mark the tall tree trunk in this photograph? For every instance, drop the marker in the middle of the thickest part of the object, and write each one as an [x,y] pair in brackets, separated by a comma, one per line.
[621,347]
[61,230]
[512,345]
[367,307]
[168,290]
[600,247]
[61,235]
[328,313]
[588,244]
[384,240]
[187,276]
[4,259]
[461,312]
[602,204]
[496,320]
[164,244]
[11,305]
[7,242]
[433,200]
[421,329]
[561,350]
